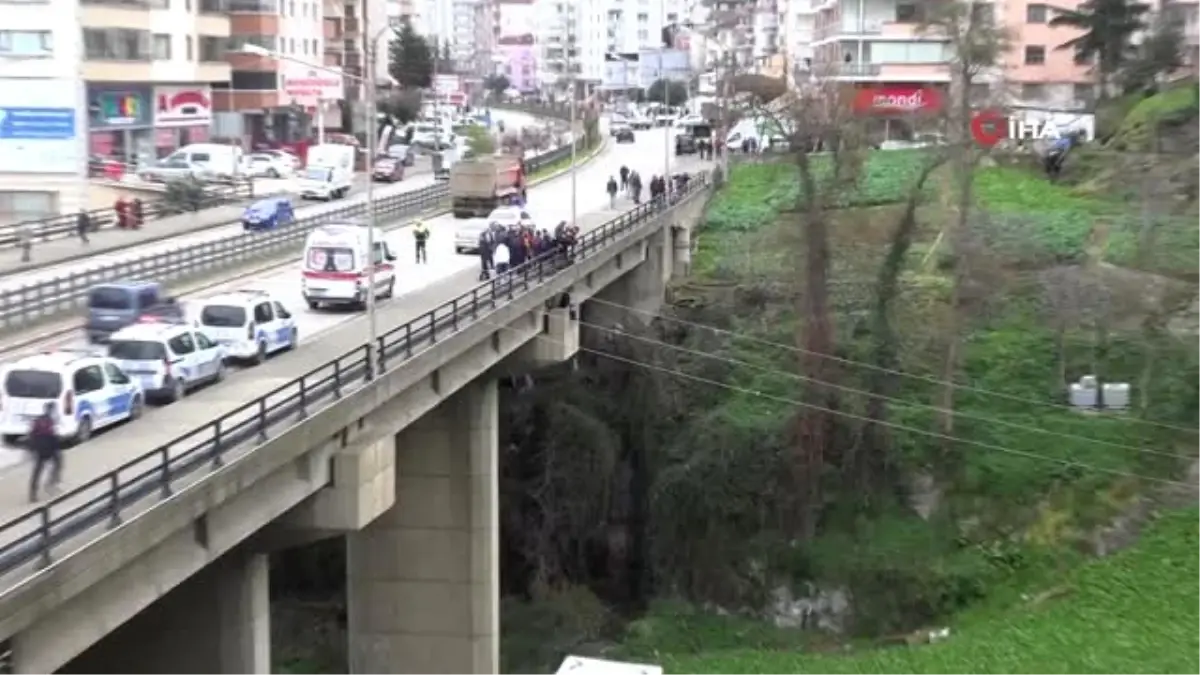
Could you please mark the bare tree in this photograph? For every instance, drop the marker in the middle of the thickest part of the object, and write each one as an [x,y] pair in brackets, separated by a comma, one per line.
[977,44]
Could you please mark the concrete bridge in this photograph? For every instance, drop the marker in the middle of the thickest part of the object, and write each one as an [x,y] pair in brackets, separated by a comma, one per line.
[161,567]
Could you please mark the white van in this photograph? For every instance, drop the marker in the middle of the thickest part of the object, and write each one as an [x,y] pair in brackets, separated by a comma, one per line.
[222,162]
[335,268]
[329,173]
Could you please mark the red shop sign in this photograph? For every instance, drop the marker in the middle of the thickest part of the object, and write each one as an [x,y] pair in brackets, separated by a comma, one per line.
[897,99]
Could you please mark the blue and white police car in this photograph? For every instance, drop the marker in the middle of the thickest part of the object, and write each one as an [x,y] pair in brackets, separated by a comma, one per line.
[251,324]
[89,392]
[167,357]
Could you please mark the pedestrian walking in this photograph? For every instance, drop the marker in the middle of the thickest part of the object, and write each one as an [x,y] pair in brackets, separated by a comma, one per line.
[82,225]
[487,246]
[421,240]
[25,241]
[612,192]
[624,173]
[47,452]
[501,256]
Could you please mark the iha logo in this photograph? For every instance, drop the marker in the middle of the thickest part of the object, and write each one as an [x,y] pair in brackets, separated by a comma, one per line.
[989,127]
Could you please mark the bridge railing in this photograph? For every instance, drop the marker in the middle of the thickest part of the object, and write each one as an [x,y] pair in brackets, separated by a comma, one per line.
[57,227]
[107,499]
[39,300]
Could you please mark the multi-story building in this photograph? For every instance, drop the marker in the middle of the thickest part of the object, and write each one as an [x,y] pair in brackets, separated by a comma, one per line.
[880,44]
[517,61]
[138,73]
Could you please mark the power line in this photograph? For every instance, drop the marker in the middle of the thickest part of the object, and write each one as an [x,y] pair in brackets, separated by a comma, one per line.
[841,413]
[861,364]
[890,399]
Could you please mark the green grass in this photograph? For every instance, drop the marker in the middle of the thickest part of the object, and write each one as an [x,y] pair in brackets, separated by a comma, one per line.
[1134,612]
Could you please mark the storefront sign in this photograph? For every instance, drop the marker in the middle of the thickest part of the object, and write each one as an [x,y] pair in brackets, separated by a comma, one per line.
[306,86]
[897,100]
[182,106]
[119,106]
[39,131]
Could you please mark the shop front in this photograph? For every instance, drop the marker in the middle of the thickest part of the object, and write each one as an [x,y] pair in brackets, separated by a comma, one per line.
[899,111]
[121,123]
[182,115]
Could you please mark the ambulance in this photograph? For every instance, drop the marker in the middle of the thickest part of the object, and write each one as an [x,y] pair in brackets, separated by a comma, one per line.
[335,269]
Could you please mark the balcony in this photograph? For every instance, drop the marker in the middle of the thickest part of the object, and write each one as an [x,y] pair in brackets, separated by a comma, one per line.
[134,16]
[117,71]
[840,30]
[351,26]
[333,33]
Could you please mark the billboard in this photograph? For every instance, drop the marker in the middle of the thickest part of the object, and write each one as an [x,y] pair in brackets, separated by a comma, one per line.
[40,126]
[305,85]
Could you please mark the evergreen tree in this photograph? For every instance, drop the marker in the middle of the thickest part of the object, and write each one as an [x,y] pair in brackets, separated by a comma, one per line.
[410,61]
[1107,29]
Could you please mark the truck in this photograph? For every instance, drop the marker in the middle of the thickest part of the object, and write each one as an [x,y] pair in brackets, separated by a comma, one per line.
[481,184]
[329,173]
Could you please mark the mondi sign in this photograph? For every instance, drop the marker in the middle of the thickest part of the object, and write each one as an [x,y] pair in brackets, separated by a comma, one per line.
[989,127]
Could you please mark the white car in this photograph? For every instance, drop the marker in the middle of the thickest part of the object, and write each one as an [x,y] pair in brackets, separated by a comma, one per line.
[284,157]
[88,392]
[263,165]
[167,359]
[249,324]
[466,237]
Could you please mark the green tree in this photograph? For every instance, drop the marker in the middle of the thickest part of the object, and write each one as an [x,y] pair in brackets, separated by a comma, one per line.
[401,107]
[667,91]
[1107,29]
[410,60]
[497,84]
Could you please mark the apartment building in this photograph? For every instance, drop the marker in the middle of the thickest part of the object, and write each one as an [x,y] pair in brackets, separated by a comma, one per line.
[43,100]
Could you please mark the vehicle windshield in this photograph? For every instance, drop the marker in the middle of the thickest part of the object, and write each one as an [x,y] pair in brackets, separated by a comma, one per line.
[32,384]
[136,350]
[109,297]
[223,316]
[330,259]
[320,175]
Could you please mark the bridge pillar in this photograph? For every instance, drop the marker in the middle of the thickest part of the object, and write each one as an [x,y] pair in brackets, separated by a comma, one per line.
[635,297]
[219,621]
[423,579]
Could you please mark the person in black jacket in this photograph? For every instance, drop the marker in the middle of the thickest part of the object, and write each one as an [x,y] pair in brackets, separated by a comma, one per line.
[47,451]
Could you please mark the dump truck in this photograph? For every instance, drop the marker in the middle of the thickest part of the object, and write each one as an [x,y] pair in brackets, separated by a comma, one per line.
[481,184]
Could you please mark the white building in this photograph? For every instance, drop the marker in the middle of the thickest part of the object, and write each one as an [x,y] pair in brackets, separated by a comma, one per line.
[40,69]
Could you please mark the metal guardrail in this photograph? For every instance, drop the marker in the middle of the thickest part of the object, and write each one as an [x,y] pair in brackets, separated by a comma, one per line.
[221,195]
[102,501]
[65,225]
[39,300]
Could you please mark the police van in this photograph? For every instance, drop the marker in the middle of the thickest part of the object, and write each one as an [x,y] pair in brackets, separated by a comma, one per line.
[250,324]
[336,269]
[89,392]
[167,358]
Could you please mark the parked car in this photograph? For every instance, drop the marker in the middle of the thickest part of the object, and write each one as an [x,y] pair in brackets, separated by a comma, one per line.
[268,214]
[168,170]
[284,157]
[625,135]
[265,165]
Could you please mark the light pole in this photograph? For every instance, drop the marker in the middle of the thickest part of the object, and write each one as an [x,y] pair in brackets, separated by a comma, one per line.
[368,82]
[662,74]
[572,102]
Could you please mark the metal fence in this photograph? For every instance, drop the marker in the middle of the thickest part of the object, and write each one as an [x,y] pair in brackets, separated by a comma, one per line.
[65,225]
[218,195]
[40,300]
[107,499]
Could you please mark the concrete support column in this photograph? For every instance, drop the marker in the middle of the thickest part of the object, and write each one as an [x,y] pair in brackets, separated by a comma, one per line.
[219,621]
[423,579]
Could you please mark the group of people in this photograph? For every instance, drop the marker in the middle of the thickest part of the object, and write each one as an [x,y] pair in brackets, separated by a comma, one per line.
[631,185]
[503,248]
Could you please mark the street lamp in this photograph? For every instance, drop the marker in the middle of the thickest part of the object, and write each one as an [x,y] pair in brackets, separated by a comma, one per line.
[368,83]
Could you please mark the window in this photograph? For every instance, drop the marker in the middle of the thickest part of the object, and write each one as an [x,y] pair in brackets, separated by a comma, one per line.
[1033,92]
[262,313]
[203,342]
[1035,55]
[214,7]
[252,81]
[212,49]
[1035,14]
[182,344]
[268,42]
[191,48]
[18,207]
[27,43]
[115,376]
[116,44]
[88,379]
[254,6]
[223,316]
[162,47]
[281,312]
[907,13]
